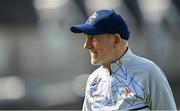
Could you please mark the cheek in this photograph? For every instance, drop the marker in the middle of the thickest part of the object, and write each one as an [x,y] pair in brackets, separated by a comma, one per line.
[104,51]
[99,47]
[95,43]
[107,50]
[103,48]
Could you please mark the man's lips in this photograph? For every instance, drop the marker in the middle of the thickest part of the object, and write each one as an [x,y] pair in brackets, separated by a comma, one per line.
[93,53]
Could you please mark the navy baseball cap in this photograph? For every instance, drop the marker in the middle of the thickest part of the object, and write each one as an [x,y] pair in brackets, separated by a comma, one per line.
[101,22]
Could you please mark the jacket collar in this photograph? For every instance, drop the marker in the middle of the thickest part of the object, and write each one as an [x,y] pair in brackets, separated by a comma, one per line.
[124,60]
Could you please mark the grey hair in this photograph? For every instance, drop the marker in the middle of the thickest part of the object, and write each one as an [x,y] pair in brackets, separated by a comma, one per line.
[123,41]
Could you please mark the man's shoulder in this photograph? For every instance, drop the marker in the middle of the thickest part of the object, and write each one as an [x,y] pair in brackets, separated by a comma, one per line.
[146,65]
[94,73]
[97,72]
[143,62]
[135,61]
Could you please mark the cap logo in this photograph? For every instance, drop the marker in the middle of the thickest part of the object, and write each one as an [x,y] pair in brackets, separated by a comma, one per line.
[92,17]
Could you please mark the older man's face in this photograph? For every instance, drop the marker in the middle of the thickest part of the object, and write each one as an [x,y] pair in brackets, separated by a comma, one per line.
[100,48]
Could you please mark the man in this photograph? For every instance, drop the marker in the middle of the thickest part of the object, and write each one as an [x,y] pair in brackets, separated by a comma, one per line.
[124,81]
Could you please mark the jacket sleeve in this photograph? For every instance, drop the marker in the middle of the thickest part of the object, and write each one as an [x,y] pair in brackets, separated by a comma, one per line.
[161,96]
[86,106]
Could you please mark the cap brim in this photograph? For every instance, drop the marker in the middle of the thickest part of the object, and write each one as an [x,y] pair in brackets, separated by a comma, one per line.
[85,28]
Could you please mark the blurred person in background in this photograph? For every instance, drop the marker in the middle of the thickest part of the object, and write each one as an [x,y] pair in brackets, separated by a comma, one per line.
[18,12]
[124,81]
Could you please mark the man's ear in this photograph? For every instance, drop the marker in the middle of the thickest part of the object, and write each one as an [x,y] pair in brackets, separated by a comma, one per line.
[117,39]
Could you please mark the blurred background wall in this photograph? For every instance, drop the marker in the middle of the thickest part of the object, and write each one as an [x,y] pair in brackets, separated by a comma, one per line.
[44,66]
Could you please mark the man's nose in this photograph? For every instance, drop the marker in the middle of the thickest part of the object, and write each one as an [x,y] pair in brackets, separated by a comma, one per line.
[88,44]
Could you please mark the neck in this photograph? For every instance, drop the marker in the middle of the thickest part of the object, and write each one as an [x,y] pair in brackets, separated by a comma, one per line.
[117,56]
[120,53]
[106,66]
[123,52]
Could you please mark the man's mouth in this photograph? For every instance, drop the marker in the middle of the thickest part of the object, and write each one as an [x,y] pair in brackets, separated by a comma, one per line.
[93,53]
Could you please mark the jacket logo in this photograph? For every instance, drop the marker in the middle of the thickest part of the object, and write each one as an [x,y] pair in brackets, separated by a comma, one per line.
[128,93]
[94,85]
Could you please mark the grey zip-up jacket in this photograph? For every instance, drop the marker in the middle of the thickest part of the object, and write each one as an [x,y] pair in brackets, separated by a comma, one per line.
[131,83]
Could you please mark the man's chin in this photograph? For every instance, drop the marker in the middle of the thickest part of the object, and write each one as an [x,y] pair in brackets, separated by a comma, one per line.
[94,62]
